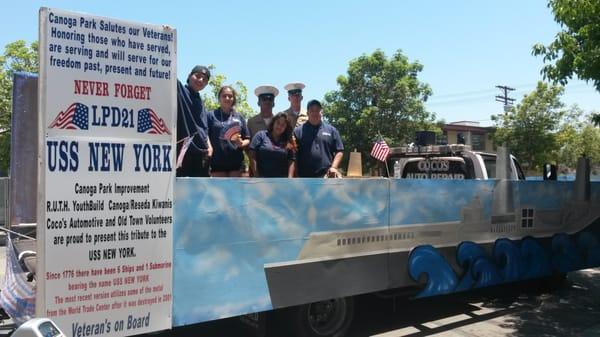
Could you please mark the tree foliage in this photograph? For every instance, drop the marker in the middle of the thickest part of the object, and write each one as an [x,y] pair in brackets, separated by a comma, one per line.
[379,96]
[216,82]
[568,138]
[576,49]
[584,141]
[531,129]
[589,144]
[17,57]
[596,119]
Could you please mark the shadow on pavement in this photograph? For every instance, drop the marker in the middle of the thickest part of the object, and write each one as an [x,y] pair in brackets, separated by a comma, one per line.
[572,310]
[543,308]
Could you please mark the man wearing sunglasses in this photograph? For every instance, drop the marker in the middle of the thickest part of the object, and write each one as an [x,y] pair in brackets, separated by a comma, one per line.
[266,101]
[296,114]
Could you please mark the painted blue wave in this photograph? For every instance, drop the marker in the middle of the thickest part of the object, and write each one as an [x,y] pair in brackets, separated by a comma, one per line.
[565,256]
[535,259]
[427,261]
[485,272]
[509,261]
[589,248]
[466,254]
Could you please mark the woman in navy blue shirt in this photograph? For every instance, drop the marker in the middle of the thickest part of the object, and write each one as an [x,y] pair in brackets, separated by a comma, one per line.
[272,151]
[228,135]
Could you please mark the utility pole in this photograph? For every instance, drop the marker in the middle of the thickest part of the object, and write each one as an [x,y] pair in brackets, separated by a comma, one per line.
[508,101]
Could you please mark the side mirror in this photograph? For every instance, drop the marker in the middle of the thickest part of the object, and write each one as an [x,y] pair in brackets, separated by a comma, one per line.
[550,172]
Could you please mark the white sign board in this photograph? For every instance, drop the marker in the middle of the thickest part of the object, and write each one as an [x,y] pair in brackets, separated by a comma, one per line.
[107,116]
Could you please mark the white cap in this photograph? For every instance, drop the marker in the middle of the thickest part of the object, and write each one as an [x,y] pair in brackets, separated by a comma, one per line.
[266,90]
[295,86]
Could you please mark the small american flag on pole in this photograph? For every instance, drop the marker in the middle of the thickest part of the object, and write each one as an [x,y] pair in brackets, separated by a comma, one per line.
[149,122]
[72,118]
[186,145]
[380,150]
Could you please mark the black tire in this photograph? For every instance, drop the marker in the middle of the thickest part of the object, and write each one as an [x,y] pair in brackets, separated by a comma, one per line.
[330,318]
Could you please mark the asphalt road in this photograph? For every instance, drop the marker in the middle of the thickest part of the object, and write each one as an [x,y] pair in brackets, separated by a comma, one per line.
[569,308]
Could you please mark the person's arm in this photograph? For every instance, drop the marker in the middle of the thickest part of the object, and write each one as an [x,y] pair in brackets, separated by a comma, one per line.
[209,125]
[338,148]
[245,135]
[209,151]
[292,169]
[291,157]
[334,168]
[253,166]
[251,152]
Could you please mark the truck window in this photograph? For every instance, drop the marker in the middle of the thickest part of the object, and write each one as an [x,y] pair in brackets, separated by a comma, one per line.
[520,173]
[490,166]
[437,168]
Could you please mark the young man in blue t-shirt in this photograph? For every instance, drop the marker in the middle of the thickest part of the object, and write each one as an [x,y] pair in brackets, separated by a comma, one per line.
[192,124]
[320,147]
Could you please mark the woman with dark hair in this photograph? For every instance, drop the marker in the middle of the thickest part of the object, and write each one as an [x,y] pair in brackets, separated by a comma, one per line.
[228,135]
[273,151]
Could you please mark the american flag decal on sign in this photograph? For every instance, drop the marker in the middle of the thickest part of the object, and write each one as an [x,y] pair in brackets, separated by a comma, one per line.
[72,118]
[149,122]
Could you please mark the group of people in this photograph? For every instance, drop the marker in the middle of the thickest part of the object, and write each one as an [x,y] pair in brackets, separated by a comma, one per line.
[292,143]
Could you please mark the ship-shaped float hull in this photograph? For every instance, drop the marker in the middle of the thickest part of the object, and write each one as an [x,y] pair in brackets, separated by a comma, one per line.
[249,245]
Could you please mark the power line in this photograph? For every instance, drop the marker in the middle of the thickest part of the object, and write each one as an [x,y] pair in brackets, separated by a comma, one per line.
[459,100]
[520,87]
[465,93]
[476,94]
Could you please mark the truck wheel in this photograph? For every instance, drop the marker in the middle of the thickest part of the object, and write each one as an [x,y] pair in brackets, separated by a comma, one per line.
[329,318]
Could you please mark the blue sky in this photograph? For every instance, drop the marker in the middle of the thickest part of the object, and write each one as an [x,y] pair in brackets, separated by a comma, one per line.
[466,47]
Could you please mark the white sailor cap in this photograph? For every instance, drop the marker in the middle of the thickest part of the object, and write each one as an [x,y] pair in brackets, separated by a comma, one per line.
[294,88]
[266,90]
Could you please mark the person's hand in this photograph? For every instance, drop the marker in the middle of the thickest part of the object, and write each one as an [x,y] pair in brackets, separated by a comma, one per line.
[333,173]
[237,139]
[209,152]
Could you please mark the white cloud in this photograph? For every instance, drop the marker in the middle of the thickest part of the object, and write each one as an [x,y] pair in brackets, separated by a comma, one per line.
[265,190]
[338,216]
[231,273]
[269,251]
[207,262]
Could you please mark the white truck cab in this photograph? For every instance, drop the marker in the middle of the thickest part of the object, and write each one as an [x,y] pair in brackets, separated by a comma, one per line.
[455,161]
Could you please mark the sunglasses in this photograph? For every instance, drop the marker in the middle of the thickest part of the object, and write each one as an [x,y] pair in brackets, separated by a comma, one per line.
[267,98]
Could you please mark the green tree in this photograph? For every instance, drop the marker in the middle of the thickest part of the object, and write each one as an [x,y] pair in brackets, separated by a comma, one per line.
[531,128]
[583,140]
[596,119]
[568,138]
[17,57]
[576,49]
[379,96]
[589,145]
[216,82]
